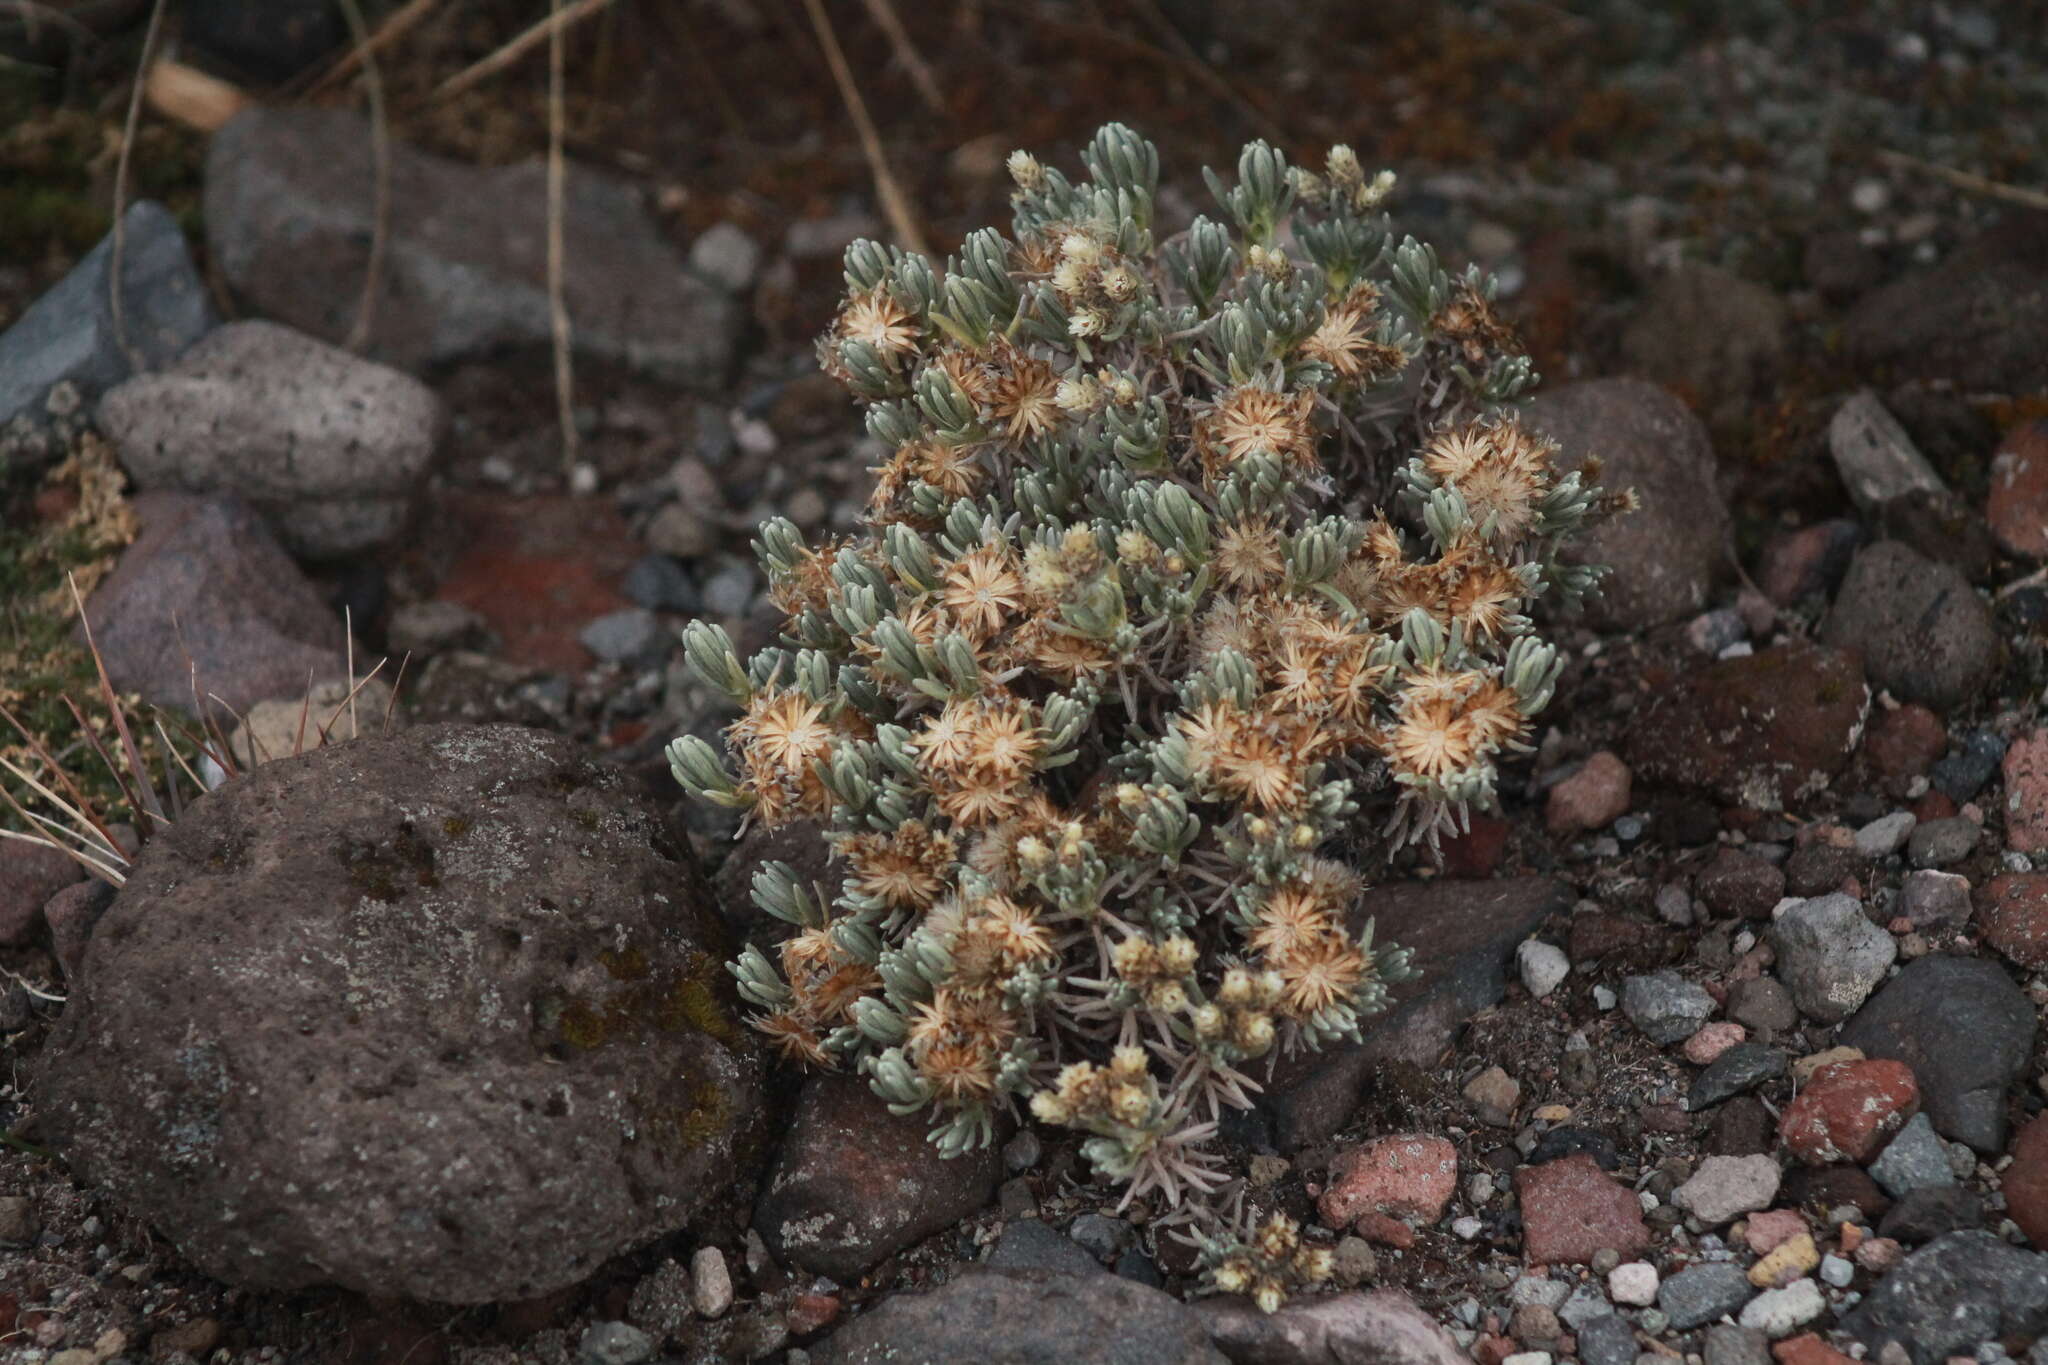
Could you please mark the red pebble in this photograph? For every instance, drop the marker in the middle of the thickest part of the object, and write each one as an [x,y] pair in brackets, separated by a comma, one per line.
[1848,1110]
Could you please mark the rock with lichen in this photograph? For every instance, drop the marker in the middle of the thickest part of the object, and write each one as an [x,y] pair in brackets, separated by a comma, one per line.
[428,1016]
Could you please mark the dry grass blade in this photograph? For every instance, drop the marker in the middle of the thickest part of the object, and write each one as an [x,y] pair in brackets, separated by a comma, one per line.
[1963,180]
[512,51]
[134,120]
[558,302]
[883,12]
[895,205]
[136,766]
[50,765]
[380,160]
[396,25]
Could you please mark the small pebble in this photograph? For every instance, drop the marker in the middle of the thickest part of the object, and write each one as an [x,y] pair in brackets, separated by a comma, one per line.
[1837,1271]
[1466,1228]
[1634,1284]
[710,1282]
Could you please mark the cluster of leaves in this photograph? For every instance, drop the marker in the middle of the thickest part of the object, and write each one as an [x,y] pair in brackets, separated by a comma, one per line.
[1087,708]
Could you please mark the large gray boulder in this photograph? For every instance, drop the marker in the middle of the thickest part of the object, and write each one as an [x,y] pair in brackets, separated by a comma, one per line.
[426,1016]
[290,199]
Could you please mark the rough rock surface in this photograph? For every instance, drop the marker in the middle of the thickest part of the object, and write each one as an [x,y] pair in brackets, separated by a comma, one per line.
[289,202]
[68,335]
[418,1016]
[329,447]
[1667,554]
[1572,1210]
[1709,335]
[1830,956]
[204,580]
[1924,634]
[1764,731]
[853,1183]
[1950,1295]
[1025,1317]
[1379,1328]
[1464,934]
[1966,1031]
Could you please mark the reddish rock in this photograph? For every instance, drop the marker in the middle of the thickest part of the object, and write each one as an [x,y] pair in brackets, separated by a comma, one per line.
[1934,804]
[2013,912]
[1385,1230]
[2026,1181]
[206,587]
[810,1313]
[1848,1110]
[2017,505]
[1475,853]
[1592,798]
[1904,742]
[1572,1210]
[1492,1349]
[1765,732]
[1712,1040]
[1809,562]
[29,875]
[854,1183]
[2026,793]
[1808,1349]
[1878,1254]
[1766,1232]
[1740,884]
[538,570]
[1407,1176]
[1598,934]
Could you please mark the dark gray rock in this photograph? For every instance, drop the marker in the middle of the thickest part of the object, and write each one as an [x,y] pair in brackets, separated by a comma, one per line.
[329,447]
[1979,318]
[1102,1236]
[1961,775]
[1666,555]
[1923,632]
[1665,1006]
[1380,1328]
[68,337]
[206,582]
[1930,1212]
[1742,1067]
[1025,1317]
[1942,843]
[1029,1244]
[1608,1340]
[1699,1294]
[289,203]
[1941,1301]
[1740,884]
[1966,1031]
[854,1183]
[426,1016]
[659,583]
[1830,956]
[1464,935]
[1915,1159]
[1730,1344]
